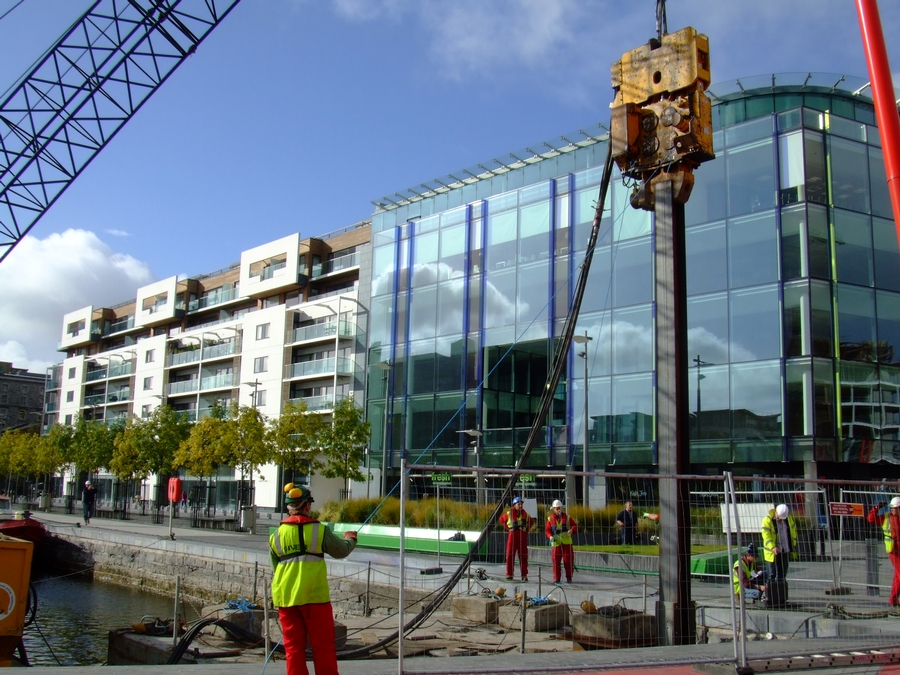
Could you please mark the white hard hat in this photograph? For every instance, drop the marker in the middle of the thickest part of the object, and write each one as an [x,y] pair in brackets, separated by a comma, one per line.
[781,510]
[895,503]
[558,503]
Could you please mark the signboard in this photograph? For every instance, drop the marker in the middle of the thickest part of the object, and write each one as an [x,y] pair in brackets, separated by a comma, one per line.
[441,478]
[527,478]
[846,509]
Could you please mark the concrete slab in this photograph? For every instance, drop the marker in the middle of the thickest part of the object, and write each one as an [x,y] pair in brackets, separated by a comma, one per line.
[537,619]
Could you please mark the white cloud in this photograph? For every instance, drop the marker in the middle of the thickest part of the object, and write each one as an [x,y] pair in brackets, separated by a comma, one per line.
[42,279]
[118,233]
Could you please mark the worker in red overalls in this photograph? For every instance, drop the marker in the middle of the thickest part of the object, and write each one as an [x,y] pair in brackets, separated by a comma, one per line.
[519,524]
[890,528]
[559,530]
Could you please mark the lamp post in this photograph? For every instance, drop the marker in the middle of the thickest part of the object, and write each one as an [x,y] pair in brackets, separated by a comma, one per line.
[583,340]
[385,368]
[255,384]
[476,434]
[699,363]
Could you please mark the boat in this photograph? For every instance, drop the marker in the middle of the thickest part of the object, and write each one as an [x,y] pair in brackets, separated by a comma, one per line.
[20,524]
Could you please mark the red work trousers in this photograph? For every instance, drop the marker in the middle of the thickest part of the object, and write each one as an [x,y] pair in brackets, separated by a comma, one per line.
[563,554]
[516,543]
[316,622]
[895,587]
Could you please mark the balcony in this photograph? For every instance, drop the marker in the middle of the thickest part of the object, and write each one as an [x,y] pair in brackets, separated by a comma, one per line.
[121,396]
[315,403]
[94,375]
[345,262]
[272,271]
[52,406]
[181,358]
[217,382]
[123,369]
[124,324]
[219,350]
[320,367]
[213,299]
[183,387]
[319,331]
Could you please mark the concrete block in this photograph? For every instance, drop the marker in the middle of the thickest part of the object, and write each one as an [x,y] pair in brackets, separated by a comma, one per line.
[477,609]
[544,618]
[616,627]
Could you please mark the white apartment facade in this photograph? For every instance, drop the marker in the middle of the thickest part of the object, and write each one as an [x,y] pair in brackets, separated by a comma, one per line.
[285,323]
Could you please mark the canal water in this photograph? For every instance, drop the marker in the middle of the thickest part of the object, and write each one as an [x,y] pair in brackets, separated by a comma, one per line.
[74,617]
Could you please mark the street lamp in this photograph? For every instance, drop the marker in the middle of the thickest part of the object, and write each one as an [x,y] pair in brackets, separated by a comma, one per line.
[476,434]
[385,368]
[583,340]
[699,363]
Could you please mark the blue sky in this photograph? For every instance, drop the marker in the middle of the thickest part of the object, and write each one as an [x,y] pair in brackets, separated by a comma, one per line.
[295,114]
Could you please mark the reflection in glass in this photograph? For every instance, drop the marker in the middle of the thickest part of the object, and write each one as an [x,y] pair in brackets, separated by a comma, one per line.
[705,248]
[708,398]
[633,273]
[887,271]
[752,250]
[854,259]
[888,311]
[849,174]
[708,327]
[751,178]
[755,324]
[856,322]
[881,196]
[756,399]
[799,418]
[632,412]
[632,333]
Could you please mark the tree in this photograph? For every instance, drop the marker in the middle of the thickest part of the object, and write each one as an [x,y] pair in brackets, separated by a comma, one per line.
[148,446]
[344,443]
[203,451]
[295,438]
[93,443]
[246,444]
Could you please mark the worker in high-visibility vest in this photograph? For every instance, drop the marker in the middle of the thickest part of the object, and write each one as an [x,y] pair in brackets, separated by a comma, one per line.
[559,530]
[779,540]
[745,575]
[890,529]
[519,524]
[300,585]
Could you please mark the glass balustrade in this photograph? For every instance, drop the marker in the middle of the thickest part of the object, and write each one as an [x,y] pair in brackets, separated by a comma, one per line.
[213,299]
[183,387]
[336,265]
[315,403]
[343,366]
[216,381]
[180,358]
[94,375]
[123,324]
[121,369]
[323,330]
[219,350]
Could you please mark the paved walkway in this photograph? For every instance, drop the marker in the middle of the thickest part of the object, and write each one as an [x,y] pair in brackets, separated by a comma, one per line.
[633,591]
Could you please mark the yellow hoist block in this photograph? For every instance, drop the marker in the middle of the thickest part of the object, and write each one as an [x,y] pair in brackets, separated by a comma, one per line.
[661,127]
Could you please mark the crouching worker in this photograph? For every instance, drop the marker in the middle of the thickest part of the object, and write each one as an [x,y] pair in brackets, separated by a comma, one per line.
[300,585]
[745,575]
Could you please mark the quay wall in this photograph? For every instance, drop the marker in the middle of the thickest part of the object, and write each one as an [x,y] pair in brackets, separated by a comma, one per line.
[210,574]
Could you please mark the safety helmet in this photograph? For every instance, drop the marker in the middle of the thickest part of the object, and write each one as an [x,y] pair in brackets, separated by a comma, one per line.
[781,511]
[556,503]
[297,495]
[895,503]
[516,500]
[86,483]
[750,550]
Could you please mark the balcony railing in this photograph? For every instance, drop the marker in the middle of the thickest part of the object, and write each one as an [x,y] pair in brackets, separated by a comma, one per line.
[94,375]
[183,387]
[180,358]
[323,330]
[52,406]
[213,299]
[342,366]
[336,265]
[117,326]
[121,369]
[315,403]
[120,396]
[272,271]
[219,350]
[217,381]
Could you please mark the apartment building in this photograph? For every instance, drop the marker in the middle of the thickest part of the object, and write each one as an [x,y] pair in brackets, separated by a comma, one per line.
[282,324]
[21,397]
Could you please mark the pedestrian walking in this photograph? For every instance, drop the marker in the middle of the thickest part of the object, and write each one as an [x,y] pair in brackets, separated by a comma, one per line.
[779,534]
[300,584]
[88,502]
[890,527]
[517,521]
[559,530]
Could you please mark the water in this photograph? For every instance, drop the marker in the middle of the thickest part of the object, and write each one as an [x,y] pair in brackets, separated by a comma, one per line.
[74,617]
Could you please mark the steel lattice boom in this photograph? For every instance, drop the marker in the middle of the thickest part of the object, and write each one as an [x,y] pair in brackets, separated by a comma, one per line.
[83,91]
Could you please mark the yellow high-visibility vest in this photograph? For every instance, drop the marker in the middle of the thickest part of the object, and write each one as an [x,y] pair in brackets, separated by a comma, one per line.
[300,577]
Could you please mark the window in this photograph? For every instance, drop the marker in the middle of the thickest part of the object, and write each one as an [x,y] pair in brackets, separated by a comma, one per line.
[70,396]
[71,373]
[262,331]
[261,364]
[145,411]
[148,383]
[260,397]
[150,356]
[21,414]
[68,419]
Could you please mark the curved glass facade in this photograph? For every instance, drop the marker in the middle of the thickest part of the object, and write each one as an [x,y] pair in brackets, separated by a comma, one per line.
[793,302]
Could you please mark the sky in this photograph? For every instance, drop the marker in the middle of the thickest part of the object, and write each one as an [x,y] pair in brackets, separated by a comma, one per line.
[295,115]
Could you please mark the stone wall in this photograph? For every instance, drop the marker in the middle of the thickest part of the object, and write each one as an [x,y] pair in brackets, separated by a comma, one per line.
[210,575]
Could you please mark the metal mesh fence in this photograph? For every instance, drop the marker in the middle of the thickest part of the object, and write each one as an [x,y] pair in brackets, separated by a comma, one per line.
[838,575]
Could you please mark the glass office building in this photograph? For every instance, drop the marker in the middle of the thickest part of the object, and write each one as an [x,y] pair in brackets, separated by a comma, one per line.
[793,300]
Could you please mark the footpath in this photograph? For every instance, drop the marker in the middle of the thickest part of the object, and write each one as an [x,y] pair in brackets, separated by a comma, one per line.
[604,589]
